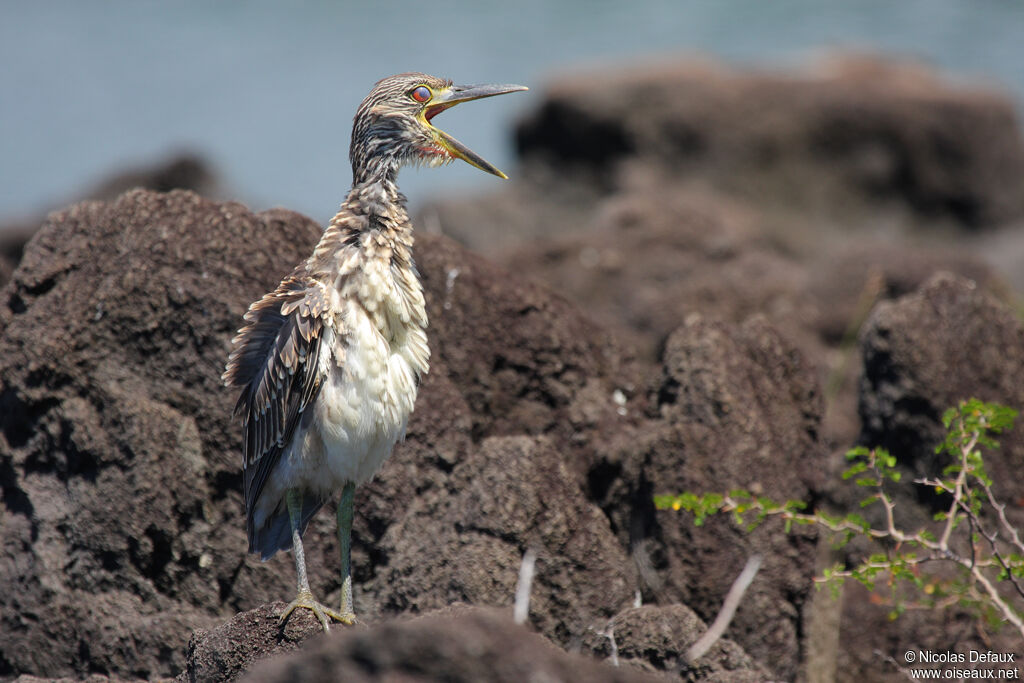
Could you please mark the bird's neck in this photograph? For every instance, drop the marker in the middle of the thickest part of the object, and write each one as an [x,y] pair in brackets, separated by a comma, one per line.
[365,256]
[374,213]
[376,196]
[382,168]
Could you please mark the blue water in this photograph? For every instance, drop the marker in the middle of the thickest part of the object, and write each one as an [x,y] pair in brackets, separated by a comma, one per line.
[266,89]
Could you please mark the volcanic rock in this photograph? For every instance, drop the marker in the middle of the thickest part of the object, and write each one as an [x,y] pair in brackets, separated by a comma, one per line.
[183,171]
[465,545]
[653,257]
[925,352]
[462,645]
[225,653]
[857,131]
[737,407]
[119,457]
[655,638]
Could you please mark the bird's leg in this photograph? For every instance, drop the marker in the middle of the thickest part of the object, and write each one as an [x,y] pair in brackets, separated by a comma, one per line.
[305,596]
[345,513]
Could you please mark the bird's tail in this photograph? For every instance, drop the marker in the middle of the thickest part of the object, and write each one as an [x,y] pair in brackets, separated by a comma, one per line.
[276,532]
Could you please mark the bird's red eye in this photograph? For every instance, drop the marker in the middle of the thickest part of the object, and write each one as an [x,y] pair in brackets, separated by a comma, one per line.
[421,94]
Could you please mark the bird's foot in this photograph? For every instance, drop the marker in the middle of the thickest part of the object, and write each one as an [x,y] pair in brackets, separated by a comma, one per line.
[323,613]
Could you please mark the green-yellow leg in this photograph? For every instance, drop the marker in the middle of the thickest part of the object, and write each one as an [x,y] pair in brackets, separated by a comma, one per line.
[305,597]
[346,509]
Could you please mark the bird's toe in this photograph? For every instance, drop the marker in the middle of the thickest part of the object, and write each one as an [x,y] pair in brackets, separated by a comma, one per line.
[323,613]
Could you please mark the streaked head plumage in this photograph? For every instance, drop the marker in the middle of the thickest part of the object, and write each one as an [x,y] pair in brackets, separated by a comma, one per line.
[392,127]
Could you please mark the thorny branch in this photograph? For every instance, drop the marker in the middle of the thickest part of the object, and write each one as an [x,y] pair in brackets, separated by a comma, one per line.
[969,429]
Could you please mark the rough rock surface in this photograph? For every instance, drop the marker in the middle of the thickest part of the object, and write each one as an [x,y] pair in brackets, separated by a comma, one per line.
[225,653]
[926,351]
[463,645]
[12,244]
[847,282]
[179,172]
[643,214]
[652,257]
[737,407]
[948,341]
[117,452]
[121,529]
[466,544]
[858,129]
[655,638]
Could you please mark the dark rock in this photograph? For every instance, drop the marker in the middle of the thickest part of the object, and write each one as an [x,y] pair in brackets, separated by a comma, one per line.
[652,256]
[465,543]
[631,234]
[118,457]
[525,361]
[708,207]
[847,281]
[737,407]
[13,239]
[184,171]
[231,649]
[857,134]
[925,352]
[467,645]
[872,645]
[655,638]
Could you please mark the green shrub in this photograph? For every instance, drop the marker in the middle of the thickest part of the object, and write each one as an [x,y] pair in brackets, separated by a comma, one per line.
[988,576]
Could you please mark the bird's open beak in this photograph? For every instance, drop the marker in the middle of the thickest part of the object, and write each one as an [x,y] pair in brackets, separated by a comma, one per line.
[464,93]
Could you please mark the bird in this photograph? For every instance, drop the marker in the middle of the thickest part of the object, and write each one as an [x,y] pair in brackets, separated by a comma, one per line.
[328,364]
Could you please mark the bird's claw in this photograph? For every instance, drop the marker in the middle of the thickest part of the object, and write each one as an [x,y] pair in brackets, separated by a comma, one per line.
[323,613]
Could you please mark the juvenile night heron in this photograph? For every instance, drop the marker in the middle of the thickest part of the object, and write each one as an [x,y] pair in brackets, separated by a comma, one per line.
[329,362]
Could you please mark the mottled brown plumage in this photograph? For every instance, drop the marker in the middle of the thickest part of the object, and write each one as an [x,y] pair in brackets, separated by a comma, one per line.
[328,363]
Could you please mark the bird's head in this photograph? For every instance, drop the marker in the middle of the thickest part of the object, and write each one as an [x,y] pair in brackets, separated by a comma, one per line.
[393,128]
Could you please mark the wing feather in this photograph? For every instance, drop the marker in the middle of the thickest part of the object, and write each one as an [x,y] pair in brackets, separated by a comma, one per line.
[276,363]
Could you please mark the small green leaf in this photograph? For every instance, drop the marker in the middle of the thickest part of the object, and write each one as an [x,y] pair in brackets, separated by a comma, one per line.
[858,452]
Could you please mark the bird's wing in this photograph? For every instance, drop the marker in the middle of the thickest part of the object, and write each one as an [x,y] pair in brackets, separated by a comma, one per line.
[278,361]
